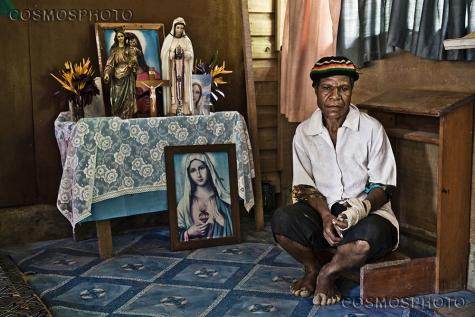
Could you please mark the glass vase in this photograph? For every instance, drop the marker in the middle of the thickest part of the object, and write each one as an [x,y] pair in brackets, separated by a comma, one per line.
[76,108]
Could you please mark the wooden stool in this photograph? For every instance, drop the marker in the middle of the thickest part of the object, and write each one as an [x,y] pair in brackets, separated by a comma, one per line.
[392,276]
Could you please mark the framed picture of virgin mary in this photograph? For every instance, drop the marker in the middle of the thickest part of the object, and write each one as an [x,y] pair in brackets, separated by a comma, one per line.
[201,89]
[202,195]
[145,40]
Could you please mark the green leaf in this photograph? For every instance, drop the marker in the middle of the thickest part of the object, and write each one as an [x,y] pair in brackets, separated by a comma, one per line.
[214,60]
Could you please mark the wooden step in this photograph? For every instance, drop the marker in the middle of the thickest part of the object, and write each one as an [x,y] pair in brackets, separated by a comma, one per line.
[395,275]
[397,278]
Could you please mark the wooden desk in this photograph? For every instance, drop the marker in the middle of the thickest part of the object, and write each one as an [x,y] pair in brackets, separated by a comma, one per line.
[443,120]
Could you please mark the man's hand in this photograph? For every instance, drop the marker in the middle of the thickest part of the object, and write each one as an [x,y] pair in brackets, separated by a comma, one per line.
[329,231]
[341,224]
[358,210]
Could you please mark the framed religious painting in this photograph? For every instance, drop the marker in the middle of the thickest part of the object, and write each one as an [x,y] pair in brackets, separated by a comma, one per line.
[202,195]
[201,89]
[143,43]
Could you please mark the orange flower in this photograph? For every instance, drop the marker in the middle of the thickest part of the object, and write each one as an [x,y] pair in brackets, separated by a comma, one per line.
[74,77]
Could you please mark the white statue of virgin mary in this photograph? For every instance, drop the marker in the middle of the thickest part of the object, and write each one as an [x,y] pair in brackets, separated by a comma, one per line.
[177,66]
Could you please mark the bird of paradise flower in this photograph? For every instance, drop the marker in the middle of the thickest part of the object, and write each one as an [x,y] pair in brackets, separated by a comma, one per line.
[74,77]
[77,83]
[216,73]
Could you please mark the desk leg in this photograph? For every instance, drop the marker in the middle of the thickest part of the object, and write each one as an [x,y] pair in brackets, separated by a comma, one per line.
[453,215]
[252,115]
[104,238]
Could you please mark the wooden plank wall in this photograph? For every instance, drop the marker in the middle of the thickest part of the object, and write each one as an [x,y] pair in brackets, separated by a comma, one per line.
[264,54]
[18,171]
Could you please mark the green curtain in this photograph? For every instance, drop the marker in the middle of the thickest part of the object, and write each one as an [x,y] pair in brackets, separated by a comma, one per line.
[421,26]
[363,29]
[369,29]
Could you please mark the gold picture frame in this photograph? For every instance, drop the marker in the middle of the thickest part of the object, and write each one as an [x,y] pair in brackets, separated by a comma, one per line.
[149,39]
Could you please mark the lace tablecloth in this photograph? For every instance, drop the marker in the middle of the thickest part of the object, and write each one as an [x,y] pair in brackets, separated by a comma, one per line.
[106,157]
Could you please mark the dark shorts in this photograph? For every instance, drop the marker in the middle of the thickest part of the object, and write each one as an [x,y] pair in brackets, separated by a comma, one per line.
[301,223]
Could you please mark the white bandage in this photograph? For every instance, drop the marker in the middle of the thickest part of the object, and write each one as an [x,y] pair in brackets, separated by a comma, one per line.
[358,210]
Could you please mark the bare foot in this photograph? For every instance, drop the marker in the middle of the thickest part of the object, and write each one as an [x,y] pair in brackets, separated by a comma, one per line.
[305,285]
[325,290]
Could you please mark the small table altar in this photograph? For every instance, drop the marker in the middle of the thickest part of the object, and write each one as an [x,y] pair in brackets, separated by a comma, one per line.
[114,168]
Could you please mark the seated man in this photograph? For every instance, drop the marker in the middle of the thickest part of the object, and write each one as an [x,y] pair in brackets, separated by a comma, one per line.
[343,175]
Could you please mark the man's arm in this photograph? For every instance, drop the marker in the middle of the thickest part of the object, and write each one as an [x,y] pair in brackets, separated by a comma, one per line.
[303,181]
[381,170]
[318,202]
[377,198]
[329,221]
[382,178]
[378,195]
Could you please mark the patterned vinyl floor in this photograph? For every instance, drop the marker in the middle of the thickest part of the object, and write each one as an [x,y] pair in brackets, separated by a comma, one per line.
[145,279]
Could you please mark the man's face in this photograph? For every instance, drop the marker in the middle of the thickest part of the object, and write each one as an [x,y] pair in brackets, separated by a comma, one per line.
[334,96]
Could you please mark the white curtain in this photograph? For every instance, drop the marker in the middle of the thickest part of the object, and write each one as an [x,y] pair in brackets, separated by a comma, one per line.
[310,32]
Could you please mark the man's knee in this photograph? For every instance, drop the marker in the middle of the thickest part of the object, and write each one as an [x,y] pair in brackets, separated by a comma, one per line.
[357,247]
[281,217]
[361,247]
[280,238]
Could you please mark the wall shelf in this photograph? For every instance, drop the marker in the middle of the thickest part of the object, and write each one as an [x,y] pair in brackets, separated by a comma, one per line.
[411,135]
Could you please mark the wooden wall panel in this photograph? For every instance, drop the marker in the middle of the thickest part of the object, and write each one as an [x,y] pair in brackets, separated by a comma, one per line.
[268,139]
[262,24]
[274,179]
[280,8]
[267,117]
[265,69]
[286,133]
[261,6]
[252,110]
[263,47]
[47,56]
[218,27]
[269,161]
[266,93]
[17,172]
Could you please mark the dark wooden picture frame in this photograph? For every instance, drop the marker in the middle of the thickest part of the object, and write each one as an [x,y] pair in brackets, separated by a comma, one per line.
[220,163]
[150,37]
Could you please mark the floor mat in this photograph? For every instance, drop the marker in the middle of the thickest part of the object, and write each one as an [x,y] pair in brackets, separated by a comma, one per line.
[144,278]
[16,296]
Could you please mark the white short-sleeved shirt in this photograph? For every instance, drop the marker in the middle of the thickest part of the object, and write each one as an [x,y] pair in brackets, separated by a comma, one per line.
[362,154]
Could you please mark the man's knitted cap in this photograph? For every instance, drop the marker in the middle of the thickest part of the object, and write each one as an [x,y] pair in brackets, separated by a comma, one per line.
[333,65]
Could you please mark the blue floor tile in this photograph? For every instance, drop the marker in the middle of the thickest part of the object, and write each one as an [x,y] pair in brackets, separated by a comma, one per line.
[145,278]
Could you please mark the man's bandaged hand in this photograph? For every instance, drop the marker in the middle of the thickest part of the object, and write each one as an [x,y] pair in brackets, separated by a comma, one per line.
[340,225]
[358,210]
